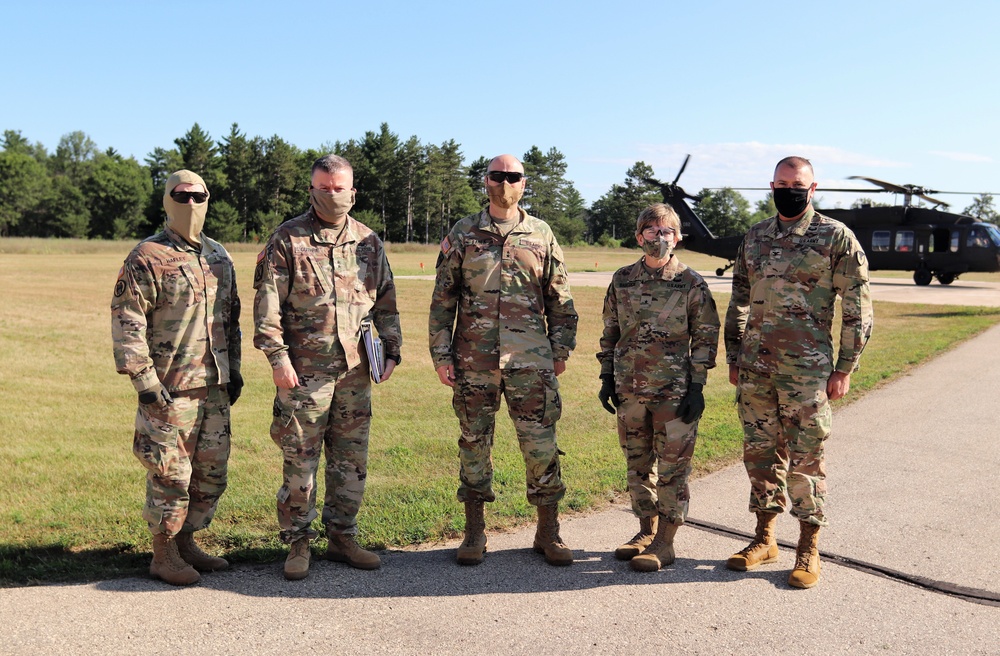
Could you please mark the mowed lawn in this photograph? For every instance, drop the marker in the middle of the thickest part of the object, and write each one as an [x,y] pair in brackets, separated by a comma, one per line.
[72,491]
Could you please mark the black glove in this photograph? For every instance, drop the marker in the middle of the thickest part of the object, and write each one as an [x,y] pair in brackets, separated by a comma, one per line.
[608,393]
[692,405]
[234,387]
[156,395]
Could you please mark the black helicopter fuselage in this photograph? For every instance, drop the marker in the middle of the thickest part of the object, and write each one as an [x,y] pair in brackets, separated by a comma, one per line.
[931,243]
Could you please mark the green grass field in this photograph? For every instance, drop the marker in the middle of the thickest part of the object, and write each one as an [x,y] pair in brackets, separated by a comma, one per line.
[72,492]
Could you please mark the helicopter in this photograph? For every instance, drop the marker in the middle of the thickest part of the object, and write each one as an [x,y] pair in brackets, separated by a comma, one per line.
[930,242]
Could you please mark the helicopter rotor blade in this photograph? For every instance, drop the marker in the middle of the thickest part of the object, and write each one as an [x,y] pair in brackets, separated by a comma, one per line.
[888,186]
[683,166]
[933,201]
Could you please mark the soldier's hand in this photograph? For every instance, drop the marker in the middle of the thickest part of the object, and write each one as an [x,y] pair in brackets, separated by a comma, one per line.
[285,377]
[559,366]
[446,374]
[734,375]
[156,395]
[838,386]
[234,387]
[390,365]
[608,393]
[693,405]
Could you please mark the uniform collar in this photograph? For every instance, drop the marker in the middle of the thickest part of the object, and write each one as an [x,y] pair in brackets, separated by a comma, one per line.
[336,236]
[669,270]
[775,228]
[182,244]
[486,222]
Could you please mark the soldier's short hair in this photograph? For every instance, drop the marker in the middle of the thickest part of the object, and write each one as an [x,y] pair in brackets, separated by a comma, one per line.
[331,164]
[658,213]
[796,163]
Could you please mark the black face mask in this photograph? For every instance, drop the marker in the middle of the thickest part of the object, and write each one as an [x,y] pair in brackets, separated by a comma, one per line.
[791,201]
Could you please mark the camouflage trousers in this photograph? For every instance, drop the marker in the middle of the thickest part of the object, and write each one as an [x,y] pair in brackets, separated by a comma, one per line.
[534,406]
[332,413]
[185,449]
[652,436]
[786,420]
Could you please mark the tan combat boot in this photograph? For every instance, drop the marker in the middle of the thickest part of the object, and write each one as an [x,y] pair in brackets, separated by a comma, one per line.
[167,564]
[660,551]
[473,548]
[195,557]
[297,562]
[762,549]
[806,572]
[641,540]
[342,548]
[547,540]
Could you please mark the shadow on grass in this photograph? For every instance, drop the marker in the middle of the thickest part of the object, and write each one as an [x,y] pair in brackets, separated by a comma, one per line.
[20,566]
[961,312]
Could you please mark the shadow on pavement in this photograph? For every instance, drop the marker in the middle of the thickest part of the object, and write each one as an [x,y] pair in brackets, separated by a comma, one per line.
[434,573]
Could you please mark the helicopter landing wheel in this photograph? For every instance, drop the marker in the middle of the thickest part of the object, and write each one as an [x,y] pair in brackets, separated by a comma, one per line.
[922,277]
[720,271]
[946,278]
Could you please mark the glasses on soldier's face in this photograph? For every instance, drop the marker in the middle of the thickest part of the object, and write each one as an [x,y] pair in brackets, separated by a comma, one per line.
[655,231]
[183,197]
[513,177]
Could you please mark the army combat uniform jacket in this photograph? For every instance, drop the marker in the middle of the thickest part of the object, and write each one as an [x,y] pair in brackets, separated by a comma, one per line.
[511,298]
[660,332]
[785,286]
[315,285]
[175,314]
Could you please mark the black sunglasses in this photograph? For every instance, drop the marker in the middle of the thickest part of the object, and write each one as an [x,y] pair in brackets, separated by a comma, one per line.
[512,177]
[183,197]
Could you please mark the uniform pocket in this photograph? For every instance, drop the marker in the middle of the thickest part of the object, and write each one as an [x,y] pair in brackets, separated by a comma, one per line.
[309,278]
[285,426]
[552,410]
[155,441]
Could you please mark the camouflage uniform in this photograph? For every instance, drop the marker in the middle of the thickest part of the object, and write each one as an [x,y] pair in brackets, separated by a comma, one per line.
[779,333]
[502,313]
[315,284]
[661,332]
[175,320]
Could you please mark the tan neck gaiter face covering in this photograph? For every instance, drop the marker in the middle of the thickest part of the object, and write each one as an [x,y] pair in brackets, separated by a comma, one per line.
[332,207]
[186,219]
[505,195]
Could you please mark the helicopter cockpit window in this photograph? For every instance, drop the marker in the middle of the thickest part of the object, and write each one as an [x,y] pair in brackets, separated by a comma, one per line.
[994,233]
[881,240]
[904,241]
[978,237]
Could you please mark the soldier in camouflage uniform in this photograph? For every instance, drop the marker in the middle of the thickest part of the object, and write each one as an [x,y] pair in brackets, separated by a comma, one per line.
[320,275]
[175,322]
[502,323]
[779,346]
[661,335]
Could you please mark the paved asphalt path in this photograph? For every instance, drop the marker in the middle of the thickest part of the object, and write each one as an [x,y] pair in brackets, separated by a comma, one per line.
[897,290]
[913,476]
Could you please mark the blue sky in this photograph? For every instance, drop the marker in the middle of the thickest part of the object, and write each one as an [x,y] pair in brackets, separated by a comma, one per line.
[903,91]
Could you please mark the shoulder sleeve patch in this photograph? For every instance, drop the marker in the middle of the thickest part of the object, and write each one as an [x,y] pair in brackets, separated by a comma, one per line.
[445,245]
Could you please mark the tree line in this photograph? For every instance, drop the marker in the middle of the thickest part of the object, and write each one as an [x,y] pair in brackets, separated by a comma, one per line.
[408,191]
